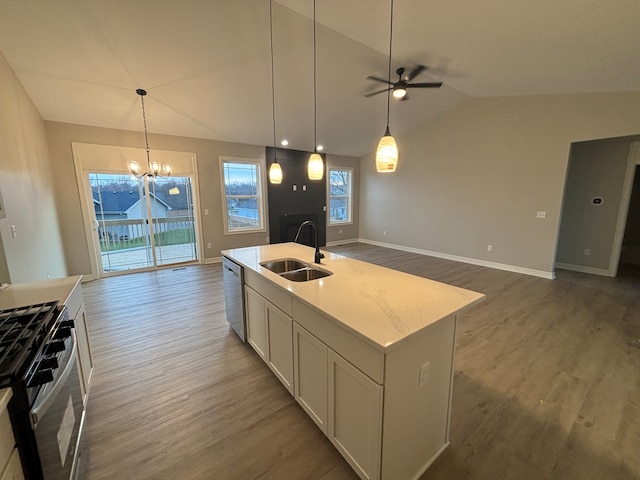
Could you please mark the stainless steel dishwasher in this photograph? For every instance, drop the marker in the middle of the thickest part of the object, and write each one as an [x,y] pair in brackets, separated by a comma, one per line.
[233,277]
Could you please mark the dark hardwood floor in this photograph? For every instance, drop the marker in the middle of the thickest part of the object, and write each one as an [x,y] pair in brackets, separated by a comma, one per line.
[547,381]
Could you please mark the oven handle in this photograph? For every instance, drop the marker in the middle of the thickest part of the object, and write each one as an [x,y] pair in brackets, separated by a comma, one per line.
[41,405]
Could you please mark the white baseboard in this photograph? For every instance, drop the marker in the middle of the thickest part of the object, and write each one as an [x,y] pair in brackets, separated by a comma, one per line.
[582,269]
[472,261]
[208,261]
[342,242]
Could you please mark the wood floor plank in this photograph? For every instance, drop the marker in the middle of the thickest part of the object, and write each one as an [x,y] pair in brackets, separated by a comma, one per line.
[546,384]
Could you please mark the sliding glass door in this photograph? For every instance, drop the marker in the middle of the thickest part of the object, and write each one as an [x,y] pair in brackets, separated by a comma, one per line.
[142,224]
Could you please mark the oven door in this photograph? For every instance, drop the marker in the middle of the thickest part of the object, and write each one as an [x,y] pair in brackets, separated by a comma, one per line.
[57,417]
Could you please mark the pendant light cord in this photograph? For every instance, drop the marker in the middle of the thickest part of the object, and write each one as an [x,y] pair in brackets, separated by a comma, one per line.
[273,83]
[315,113]
[389,73]
[144,122]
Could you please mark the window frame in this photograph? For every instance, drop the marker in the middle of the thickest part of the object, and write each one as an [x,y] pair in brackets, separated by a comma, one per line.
[349,197]
[261,193]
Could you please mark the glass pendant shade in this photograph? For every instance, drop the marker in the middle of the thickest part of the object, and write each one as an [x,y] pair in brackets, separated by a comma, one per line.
[134,167]
[275,173]
[387,154]
[315,167]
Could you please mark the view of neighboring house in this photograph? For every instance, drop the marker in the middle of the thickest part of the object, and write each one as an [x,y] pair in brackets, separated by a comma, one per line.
[113,207]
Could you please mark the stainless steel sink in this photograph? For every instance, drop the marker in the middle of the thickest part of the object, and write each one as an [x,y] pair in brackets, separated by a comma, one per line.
[283,265]
[295,270]
[305,274]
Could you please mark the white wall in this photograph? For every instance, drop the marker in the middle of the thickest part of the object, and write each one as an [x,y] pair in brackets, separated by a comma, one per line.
[27,189]
[478,175]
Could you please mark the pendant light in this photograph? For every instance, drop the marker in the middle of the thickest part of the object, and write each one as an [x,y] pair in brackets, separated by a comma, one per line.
[387,153]
[154,169]
[315,166]
[275,172]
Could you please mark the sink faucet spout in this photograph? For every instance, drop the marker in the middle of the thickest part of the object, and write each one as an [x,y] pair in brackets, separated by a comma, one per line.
[318,255]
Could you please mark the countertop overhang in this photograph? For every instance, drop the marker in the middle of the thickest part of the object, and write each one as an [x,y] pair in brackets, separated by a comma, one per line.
[379,304]
[31,293]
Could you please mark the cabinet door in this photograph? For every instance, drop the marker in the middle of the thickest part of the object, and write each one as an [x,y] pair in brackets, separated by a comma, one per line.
[280,345]
[355,416]
[256,322]
[310,375]
[85,356]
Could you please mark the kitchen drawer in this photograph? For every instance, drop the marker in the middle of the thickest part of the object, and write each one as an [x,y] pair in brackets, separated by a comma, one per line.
[365,357]
[276,295]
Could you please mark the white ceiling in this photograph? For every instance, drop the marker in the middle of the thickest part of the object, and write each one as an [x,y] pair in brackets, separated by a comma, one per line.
[206,63]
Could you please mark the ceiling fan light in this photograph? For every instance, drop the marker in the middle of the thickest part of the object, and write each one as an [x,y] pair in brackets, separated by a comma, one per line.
[387,154]
[399,92]
[275,173]
[315,167]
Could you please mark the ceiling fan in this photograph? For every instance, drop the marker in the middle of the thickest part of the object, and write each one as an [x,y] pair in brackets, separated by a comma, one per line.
[400,87]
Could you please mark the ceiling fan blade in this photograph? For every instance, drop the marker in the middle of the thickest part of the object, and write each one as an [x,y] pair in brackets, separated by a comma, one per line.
[415,72]
[379,91]
[378,79]
[425,85]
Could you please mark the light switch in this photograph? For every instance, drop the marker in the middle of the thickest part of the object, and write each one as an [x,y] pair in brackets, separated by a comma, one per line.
[14,234]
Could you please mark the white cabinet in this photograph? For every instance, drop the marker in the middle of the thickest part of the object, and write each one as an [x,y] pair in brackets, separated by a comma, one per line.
[310,375]
[344,403]
[355,416]
[280,345]
[77,312]
[256,322]
[85,357]
[269,332]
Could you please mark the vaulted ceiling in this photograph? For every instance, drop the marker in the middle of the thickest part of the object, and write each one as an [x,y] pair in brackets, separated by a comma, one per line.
[206,64]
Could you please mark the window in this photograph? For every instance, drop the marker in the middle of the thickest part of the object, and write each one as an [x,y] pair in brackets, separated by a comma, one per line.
[242,195]
[340,191]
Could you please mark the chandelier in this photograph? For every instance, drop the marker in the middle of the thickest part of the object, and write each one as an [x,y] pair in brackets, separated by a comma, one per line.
[154,169]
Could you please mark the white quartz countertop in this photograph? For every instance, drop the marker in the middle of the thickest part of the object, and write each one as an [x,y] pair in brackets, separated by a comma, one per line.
[381,305]
[31,293]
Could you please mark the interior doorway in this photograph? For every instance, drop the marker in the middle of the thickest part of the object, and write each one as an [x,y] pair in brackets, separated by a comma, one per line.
[630,251]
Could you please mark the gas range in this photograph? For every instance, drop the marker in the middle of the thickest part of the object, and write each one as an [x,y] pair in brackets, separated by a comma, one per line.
[38,361]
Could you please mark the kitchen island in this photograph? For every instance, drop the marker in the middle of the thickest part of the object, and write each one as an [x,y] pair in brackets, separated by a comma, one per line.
[367,352]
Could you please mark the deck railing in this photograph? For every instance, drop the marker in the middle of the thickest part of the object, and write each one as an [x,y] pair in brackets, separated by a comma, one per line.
[134,233]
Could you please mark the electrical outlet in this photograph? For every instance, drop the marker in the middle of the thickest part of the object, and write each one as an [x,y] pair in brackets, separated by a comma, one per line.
[541,214]
[424,375]
[206,211]
[384,233]
[14,233]
[340,231]
[209,245]
[489,248]
[587,252]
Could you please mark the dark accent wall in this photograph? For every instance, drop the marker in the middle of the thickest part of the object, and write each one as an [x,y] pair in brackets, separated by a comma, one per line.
[288,208]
